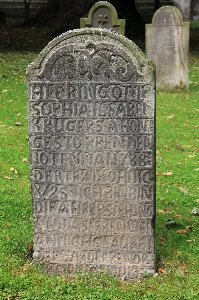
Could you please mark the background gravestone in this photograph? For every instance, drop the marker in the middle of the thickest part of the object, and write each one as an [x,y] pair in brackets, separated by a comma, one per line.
[184,7]
[103,15]
[167,44]
[91,96]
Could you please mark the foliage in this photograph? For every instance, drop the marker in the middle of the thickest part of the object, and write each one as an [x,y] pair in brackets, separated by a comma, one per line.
[177,193]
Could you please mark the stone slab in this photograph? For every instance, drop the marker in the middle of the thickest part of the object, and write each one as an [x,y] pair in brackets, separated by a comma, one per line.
[104,15]
[167,44]
[91,102]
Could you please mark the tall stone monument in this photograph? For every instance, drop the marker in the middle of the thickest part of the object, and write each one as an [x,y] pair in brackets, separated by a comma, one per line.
[104,15]
[91,98]
[167,44]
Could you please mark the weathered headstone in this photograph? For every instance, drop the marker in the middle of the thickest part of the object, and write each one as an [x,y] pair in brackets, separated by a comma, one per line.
[91,95]
[104,15]
[167,44]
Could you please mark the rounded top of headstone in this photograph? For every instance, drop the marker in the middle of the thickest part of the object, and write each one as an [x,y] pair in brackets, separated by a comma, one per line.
[103,4]
[103,15]
[71,50]
[167,16]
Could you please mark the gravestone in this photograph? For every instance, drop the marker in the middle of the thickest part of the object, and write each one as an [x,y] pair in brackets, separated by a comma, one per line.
[91,96]
[167,44]
[104,15]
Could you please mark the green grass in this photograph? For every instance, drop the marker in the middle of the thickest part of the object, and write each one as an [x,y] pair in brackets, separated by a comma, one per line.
[177,247]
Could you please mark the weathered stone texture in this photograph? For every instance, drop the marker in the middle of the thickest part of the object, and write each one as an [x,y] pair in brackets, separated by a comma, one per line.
[91,129]
[185,8]
[104,15]
[167,44]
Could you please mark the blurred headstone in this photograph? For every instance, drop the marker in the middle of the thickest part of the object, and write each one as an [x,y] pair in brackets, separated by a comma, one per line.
[167,44]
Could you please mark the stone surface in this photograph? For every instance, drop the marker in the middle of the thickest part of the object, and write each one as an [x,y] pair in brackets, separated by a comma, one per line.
[104,15]
[167,44]
[195,211]
[15,8]
[185,7]
[91,96]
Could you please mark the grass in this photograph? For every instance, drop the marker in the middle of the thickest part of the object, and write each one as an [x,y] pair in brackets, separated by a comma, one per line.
[177,248]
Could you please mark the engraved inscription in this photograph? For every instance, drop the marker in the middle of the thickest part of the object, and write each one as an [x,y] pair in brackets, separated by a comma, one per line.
[91,136]
[95,209]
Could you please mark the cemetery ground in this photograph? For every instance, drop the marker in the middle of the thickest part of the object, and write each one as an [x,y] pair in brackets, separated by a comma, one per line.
[177,230]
